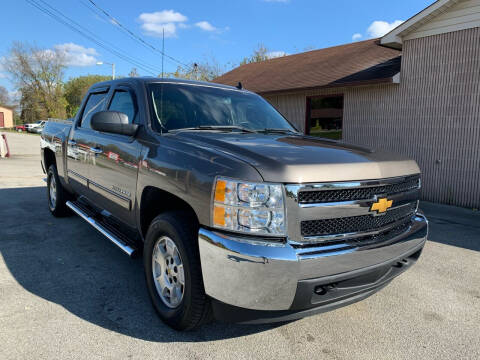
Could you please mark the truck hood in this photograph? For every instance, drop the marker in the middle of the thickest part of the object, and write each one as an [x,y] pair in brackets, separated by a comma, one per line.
[303,159]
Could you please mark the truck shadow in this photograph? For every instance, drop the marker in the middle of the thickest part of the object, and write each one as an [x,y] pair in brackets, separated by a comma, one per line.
[67,262]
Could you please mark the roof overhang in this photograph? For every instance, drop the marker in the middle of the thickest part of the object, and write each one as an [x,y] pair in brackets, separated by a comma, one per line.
[394,39]
[389,80]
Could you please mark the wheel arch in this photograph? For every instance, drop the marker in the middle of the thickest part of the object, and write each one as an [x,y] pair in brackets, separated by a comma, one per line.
[48,159]
[155,201]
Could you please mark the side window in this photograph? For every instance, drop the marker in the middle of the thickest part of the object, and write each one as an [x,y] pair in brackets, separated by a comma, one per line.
[122,101]
[94,104]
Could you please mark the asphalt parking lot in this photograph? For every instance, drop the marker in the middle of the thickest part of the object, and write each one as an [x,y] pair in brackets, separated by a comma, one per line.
[67,293]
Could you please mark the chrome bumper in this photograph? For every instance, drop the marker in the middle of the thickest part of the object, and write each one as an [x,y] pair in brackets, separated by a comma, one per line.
[264,276]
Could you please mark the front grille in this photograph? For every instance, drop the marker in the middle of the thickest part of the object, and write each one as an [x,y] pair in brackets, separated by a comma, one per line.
[364,193]
[355,223]
[381,237]
[364,242]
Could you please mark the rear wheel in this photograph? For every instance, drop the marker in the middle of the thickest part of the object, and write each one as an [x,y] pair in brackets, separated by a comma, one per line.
[56,194]
[173,273]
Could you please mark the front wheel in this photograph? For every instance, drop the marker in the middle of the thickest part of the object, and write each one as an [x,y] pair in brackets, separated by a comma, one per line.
[173,272]
[56,194]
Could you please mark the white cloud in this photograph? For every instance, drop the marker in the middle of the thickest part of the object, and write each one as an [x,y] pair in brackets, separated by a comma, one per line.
[379,28]
[275,54]
[163,17]
[356,36]
[166,20]
[77,55]
[206,26]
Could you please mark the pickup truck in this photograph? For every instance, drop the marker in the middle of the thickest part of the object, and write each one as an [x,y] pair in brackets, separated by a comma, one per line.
[32,127]
[238,216]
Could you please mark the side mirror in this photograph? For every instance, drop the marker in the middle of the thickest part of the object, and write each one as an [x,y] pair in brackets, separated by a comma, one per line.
[113,122]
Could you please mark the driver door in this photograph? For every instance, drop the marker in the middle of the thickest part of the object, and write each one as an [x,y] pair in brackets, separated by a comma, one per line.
[113,177]
[81,142]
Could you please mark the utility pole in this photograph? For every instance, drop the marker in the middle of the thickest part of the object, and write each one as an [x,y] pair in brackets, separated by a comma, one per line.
[195,70]
[163,47]
[107,63]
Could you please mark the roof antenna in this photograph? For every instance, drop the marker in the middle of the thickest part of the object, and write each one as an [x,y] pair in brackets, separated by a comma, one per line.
[239,86]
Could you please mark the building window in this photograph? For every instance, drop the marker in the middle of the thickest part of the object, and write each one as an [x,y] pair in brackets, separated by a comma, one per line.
[324,116]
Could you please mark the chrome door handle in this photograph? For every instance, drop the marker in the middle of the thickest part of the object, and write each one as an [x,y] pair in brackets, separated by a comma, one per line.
[96,150]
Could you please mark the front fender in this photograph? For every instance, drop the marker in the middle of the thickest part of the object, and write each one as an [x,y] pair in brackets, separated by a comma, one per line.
[188,171]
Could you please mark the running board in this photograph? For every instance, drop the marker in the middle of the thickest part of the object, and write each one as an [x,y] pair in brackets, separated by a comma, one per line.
[113,238]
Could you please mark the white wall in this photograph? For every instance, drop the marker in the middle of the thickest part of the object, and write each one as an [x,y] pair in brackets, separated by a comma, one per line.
[463,15]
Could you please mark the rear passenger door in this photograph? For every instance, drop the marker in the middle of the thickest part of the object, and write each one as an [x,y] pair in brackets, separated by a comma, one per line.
[81,142]
[114,172]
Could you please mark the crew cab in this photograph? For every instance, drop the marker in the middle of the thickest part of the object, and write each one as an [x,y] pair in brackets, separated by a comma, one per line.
[237,215]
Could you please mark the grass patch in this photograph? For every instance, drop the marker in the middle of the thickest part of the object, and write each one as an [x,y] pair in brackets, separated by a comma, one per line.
[329,134]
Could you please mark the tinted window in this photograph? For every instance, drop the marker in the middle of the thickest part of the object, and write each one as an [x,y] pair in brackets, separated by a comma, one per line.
[94,104]
[184,106]
[122,101]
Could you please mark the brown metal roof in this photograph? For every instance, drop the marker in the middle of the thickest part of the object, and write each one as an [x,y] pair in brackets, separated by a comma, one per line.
[362,62]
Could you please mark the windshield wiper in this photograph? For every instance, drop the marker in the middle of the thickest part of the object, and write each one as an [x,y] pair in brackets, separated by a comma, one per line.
[220,128]
[279,131]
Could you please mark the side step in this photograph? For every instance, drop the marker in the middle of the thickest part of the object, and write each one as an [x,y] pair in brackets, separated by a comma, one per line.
[127,249]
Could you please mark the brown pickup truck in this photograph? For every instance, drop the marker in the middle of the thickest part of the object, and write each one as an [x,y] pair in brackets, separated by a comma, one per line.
[238,215]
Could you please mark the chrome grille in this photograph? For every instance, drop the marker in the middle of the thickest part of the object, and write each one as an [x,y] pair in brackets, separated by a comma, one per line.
[351,244]
[352,224]
[336,195]
[344,219]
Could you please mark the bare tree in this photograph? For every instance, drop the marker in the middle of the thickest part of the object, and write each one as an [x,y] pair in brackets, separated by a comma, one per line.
[38,73]
[4,96]
[259,54]
[133,73]
[206,70]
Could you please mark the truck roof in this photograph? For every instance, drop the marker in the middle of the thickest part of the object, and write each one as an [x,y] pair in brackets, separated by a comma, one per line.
[151,79]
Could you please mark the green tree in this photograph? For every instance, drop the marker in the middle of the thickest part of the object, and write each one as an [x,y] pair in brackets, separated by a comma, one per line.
[76,88]
[31,105]
[38,73]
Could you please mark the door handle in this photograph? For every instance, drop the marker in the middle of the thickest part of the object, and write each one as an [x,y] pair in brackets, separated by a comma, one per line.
[72,142]
[96,150]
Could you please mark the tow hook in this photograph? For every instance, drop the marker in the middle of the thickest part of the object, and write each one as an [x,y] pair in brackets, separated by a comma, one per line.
[323,289]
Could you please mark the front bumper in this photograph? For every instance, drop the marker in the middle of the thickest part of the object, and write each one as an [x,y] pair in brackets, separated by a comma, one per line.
[275,278]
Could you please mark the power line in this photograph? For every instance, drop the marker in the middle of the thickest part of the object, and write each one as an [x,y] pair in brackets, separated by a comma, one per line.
[58,15]
[74,26]
[135,36]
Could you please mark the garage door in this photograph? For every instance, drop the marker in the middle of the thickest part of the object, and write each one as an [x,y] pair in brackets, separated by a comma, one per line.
[2,121]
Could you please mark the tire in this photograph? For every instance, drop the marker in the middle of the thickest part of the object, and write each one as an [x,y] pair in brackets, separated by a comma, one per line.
[56,204]
[194,308]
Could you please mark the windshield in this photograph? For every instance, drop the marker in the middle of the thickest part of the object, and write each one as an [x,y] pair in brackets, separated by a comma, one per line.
[186,106]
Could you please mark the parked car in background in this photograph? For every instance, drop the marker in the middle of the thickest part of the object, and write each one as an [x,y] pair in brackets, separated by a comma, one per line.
[38,129]
[20,128]
[30,127]
[237,214]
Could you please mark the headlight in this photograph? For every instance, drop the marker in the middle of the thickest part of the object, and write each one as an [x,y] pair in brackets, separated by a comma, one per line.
[254,208]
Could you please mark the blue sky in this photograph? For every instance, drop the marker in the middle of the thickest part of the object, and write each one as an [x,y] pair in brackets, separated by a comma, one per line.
[226,30]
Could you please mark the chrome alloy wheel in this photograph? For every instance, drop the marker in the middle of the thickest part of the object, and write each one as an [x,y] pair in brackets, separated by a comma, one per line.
[168,273]
[52,188]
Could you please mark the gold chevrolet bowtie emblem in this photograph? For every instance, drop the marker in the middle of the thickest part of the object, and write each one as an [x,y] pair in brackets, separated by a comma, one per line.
[381,205]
